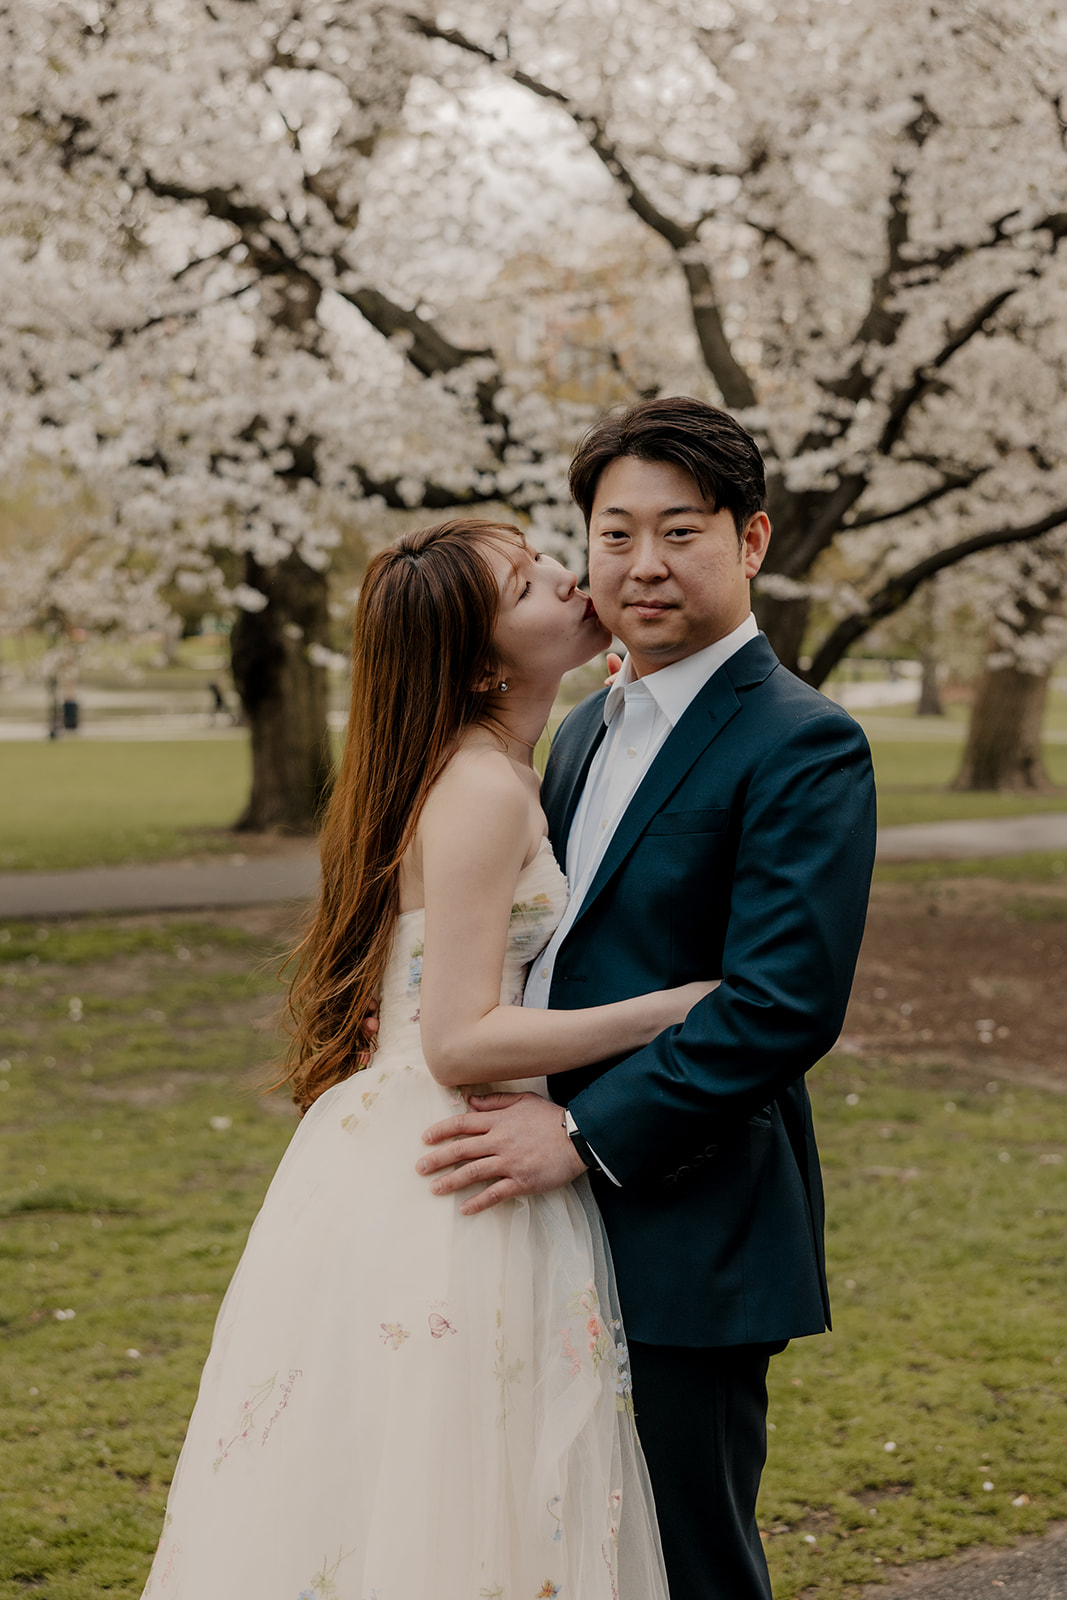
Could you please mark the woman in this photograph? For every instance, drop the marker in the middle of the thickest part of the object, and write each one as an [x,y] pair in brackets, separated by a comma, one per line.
[403,1402]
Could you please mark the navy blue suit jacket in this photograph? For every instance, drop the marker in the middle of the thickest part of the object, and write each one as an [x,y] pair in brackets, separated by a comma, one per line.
[745,853]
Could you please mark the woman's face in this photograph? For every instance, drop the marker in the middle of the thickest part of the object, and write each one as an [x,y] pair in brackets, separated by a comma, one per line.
[545,625]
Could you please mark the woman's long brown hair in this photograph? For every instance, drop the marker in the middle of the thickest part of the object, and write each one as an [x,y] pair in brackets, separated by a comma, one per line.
[422,651]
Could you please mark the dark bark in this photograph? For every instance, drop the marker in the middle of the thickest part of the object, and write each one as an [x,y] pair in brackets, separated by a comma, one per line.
[929,688]
[785,623]
[1003,750]
[284,695]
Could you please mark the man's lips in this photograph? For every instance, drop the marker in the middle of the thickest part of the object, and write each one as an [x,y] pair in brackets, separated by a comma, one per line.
[648,608]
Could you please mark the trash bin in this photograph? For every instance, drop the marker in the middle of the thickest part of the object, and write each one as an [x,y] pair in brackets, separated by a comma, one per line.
[70,715]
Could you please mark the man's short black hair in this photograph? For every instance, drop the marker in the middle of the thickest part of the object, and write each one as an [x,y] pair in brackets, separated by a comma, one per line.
[702,440]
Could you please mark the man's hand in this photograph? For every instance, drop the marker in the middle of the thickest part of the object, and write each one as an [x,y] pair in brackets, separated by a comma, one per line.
[516,1143]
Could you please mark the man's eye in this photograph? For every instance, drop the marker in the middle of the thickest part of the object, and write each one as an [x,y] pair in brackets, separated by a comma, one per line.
[682,532]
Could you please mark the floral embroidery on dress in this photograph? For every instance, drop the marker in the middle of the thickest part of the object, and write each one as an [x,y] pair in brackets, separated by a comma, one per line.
[415,968]
[614,1507]
[323,1584]
[350,1123]
[624,1383]
[287,1388]
[246,1422]
[506,1372]
[495,1593]
[527,941]
[393,1334]
[547,1590]
[611,1572]
[439,1325]
[557,1519]
[600,1345]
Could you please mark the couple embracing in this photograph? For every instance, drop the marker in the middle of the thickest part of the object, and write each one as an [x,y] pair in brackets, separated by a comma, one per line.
[427,1371]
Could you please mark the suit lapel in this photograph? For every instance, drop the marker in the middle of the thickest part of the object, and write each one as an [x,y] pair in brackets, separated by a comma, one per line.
[715,705]
[572,753]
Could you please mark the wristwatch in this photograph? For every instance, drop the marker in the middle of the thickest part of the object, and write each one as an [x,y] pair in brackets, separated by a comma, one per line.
[585,1155]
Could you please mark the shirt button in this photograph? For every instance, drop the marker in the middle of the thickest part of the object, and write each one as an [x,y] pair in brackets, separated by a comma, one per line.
[544,972]
[631,751]
[604,824]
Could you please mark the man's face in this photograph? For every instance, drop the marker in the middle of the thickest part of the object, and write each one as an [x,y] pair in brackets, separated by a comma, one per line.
[665,571]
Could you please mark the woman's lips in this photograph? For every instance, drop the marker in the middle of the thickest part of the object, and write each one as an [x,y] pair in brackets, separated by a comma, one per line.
[590,610]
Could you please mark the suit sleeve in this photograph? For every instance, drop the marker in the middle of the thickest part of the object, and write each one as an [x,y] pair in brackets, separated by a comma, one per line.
[797,908]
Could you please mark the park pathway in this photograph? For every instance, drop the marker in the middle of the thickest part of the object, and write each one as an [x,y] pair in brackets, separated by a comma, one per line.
[267,880]
[1035,1569]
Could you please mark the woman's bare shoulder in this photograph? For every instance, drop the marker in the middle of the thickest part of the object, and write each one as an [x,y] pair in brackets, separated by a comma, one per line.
[480,784]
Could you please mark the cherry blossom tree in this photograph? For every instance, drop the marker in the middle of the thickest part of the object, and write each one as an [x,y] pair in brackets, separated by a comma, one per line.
[251,252]
[193,351]
[864,206]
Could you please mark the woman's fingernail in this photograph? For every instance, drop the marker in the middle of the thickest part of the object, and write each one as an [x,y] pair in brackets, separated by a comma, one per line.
[436,1187]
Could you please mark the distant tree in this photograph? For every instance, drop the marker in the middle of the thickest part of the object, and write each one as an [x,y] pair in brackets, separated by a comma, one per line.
[1028,634]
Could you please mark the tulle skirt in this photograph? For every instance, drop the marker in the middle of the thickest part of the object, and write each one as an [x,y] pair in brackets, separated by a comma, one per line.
[403,1403]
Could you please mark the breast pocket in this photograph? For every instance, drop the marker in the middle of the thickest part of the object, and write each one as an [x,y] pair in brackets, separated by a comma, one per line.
[711,819]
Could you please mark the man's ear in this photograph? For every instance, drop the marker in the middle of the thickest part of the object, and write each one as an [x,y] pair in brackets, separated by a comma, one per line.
[754,542]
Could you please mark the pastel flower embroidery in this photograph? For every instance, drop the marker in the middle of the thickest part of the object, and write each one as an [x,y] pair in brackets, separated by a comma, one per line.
[547,1590]
[415,968]
[393,1334]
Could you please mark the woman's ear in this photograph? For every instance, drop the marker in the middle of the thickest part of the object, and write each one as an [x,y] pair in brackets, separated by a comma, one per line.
[486,681]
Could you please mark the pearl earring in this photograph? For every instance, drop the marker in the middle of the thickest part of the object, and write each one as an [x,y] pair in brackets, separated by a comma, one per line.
[503,686]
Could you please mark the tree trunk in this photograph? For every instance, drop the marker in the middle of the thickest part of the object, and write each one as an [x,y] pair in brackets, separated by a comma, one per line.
[1003,748]
[284,695]
[929,689]
[785,623]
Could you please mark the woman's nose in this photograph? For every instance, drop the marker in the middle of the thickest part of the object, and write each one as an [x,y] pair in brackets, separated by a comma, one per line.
[567,581]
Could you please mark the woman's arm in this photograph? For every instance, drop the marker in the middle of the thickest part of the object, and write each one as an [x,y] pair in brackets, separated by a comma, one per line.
[479,826]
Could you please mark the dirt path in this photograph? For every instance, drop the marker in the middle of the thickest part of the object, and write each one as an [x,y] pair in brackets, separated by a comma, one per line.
[967,977]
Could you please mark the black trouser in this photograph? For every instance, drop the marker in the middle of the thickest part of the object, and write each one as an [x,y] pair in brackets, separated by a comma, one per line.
[702,1420]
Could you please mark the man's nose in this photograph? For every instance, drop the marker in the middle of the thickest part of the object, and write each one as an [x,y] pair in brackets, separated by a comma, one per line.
[647,560]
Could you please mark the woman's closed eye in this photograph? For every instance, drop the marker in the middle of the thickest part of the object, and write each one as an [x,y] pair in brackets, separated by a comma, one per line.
[527,586]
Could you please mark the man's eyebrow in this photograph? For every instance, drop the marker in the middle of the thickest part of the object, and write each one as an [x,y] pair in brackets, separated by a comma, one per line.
[661,516]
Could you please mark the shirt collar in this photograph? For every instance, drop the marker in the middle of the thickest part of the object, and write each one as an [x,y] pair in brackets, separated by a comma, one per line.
[675,687]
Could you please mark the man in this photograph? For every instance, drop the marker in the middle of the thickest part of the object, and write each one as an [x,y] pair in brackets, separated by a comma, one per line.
[716,817]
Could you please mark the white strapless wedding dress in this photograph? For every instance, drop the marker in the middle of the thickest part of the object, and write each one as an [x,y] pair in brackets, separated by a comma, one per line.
[403,1403]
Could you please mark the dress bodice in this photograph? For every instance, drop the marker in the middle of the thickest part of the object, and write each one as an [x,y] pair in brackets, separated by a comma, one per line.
[540,901]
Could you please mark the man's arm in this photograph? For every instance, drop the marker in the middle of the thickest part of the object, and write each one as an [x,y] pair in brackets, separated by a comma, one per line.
[797,909]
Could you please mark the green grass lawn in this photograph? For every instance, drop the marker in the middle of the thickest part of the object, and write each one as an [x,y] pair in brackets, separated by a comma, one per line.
[91,803]
[134,1151]
[72,804]
[913,779]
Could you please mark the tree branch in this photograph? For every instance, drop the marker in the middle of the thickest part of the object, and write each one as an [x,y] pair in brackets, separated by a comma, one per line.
[952,480]
[735,383]
[897,590]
